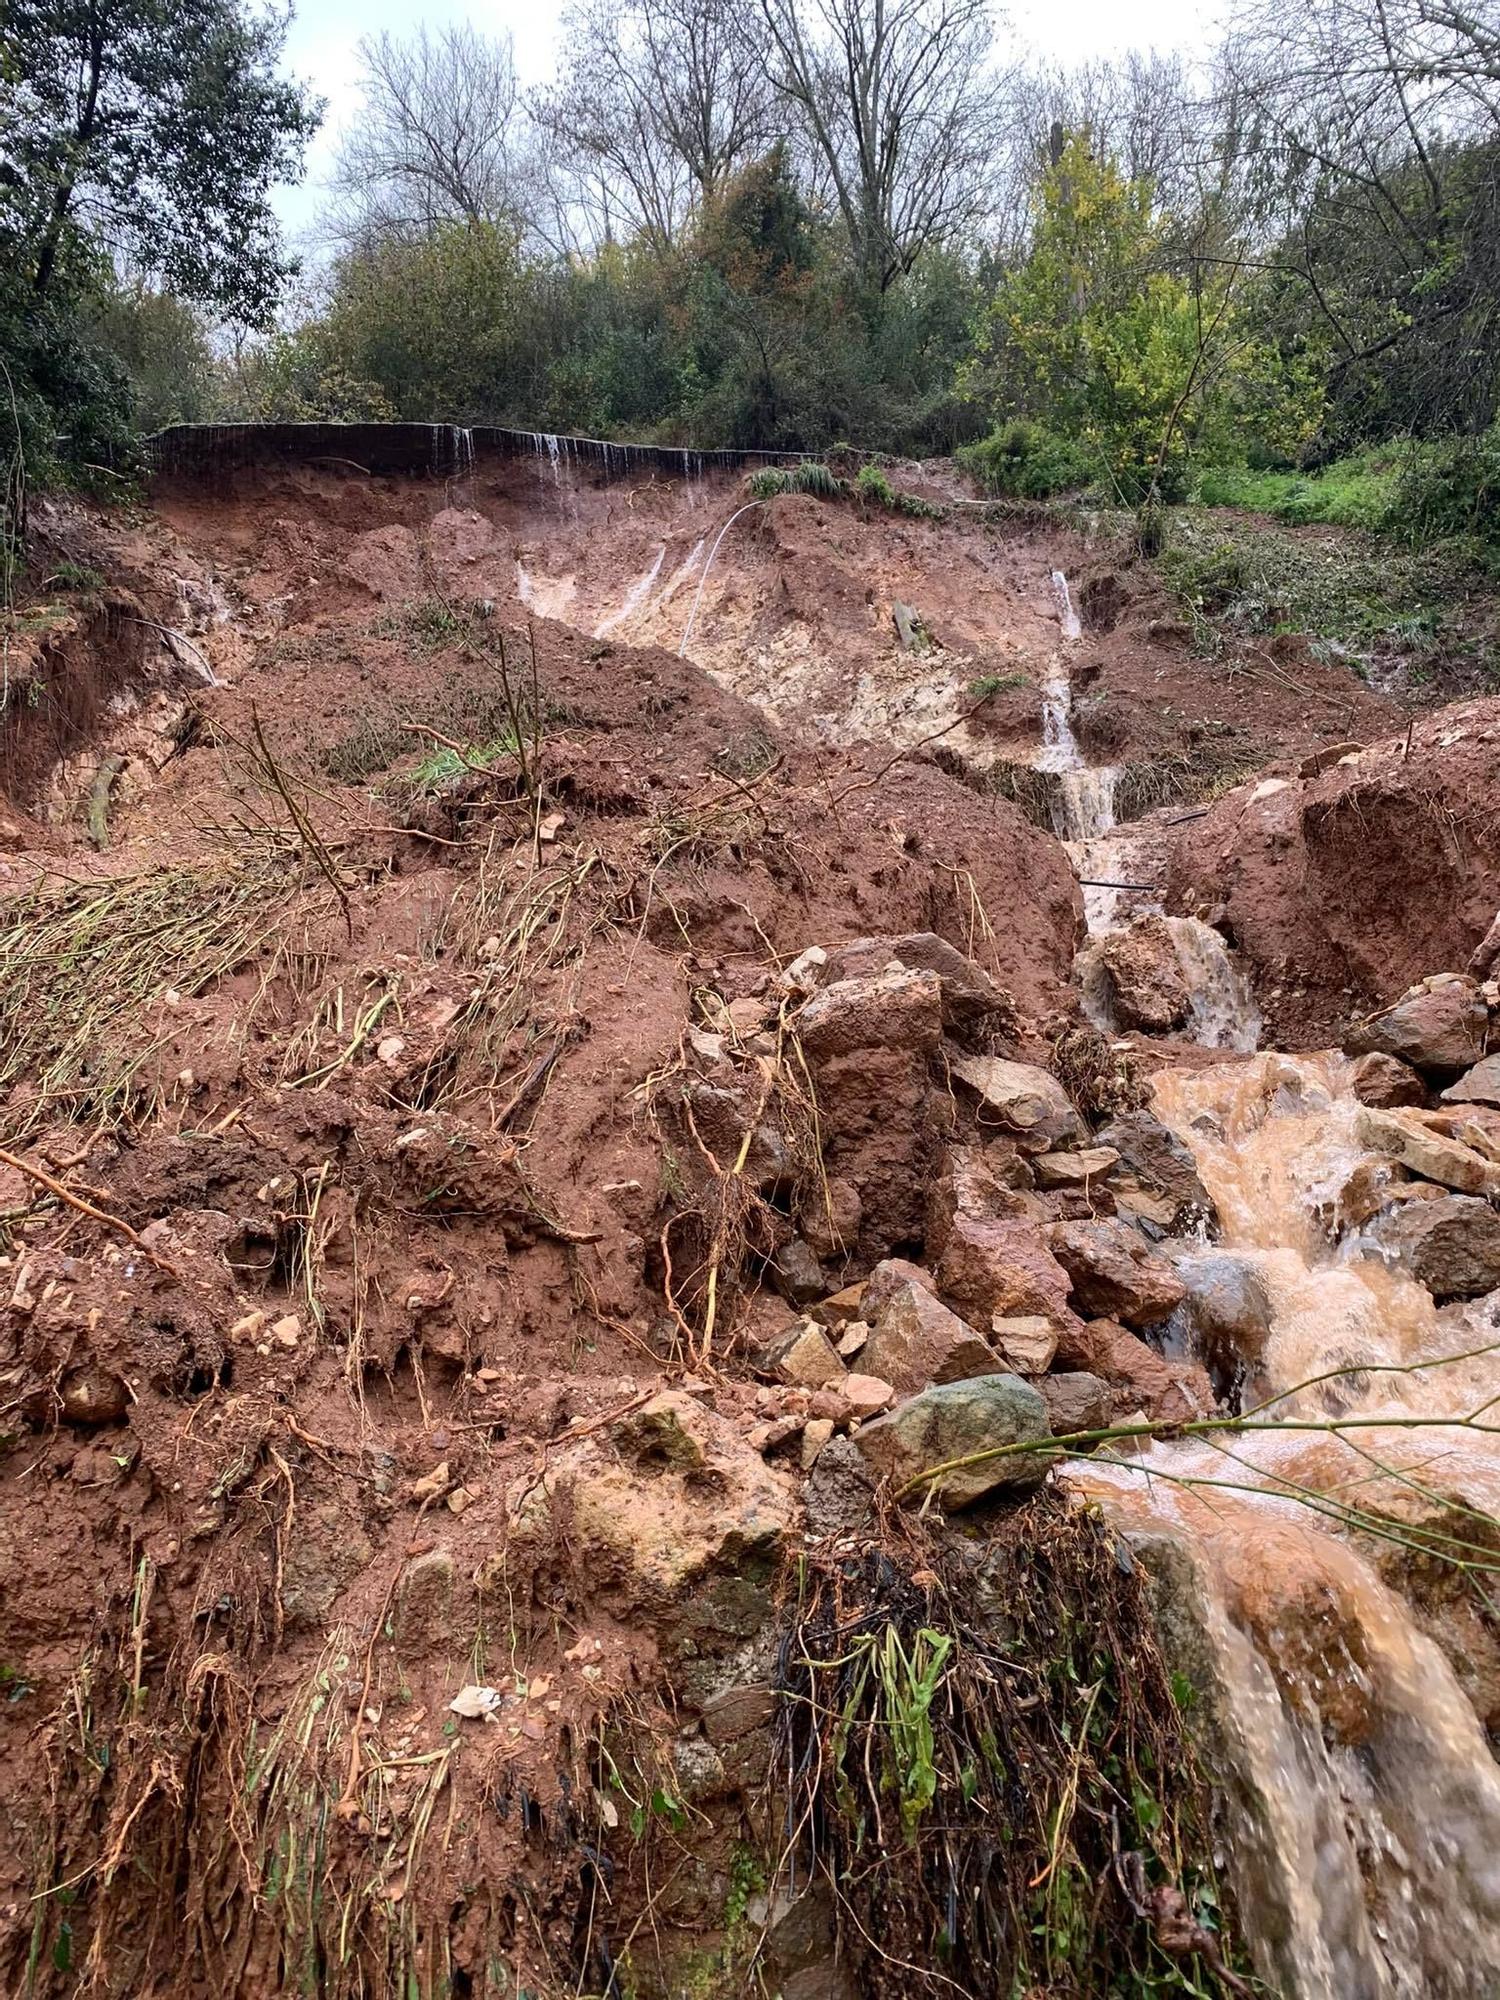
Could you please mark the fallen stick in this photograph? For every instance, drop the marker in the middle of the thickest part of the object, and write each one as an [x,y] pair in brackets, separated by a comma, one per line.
[87,1208]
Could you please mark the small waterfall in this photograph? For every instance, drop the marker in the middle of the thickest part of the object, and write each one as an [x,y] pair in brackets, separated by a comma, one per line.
[1360,1796]
[635,597]
[687,630]
[1083,805]
[1222,1013]
[1067,616]
[525,589]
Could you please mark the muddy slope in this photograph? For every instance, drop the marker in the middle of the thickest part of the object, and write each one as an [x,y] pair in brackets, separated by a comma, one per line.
[442,1061]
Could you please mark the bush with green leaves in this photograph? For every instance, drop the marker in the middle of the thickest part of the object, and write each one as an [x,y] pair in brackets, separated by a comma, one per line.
[1026,461]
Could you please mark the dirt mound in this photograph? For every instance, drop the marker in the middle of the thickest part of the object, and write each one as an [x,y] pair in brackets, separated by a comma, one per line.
[1344,886]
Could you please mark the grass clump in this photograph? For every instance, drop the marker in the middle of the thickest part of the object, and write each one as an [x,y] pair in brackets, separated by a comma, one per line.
[808,476]
[872,486]
[81,965]
[990,1770]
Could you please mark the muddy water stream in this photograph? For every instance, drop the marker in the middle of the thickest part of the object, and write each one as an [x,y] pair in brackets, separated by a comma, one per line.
[1304,1594]
[1108,858]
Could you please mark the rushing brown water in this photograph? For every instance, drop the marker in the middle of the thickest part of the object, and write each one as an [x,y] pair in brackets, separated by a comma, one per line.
[1303,1582]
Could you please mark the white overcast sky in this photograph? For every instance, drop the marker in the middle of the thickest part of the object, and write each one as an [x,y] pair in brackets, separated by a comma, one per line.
[323,43]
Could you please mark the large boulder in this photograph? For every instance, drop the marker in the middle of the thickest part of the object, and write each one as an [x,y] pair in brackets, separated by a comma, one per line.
[1227,1312]
[1157,1159]
[1438,1027]
[957,1420]
[1142,977]
[1001,1270]
[1114,1272]
[1020,1102]
[987,1183]
[915,1340]
[1414,1140]
[1451,1245]
[889,1009]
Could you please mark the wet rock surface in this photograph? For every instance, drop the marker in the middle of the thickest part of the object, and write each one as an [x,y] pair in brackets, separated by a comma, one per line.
[959,1420]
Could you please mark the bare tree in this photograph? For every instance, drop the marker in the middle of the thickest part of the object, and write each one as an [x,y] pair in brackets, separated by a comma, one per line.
[1365,135]
[435,139]
[658,104]
[899,105]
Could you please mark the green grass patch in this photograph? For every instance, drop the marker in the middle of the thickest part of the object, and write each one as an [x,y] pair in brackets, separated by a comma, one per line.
[1356,492]
[1258,579]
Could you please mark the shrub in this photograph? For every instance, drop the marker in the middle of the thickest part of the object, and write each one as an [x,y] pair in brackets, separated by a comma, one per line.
[873,487]
[1450,489]
[1026,461]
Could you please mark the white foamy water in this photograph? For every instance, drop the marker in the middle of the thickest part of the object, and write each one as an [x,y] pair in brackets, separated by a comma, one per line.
[639,591]
[1360,1796]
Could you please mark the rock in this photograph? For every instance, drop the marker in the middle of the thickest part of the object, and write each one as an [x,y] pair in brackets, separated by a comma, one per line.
[866,1395]
[1157,1158]
[1451,1245]
[1143,977]
[915,1340]
[954,1420]
[1076,1401]
[1069,1170]
[831,1228]
[798,1273]
[1407,1137]
[1319,761]
[92,1395]
[734,1711]
[852,1339]
[693,1550]
[969,995]
[839,1307]
[1228,1311]
[1025,1344]
[815,1436]
[1479,1085]
[807,971]
[893,1009]
[991,1270]
[1383,1081]
[802,1355]
[699,1770]
[839,1496]
[982,1182]
[1139,1377]
[890,1276]
[433,1485]
[1438,1027]
[423,1601]
[1114,1273]
[1019,1101]
[667,1431]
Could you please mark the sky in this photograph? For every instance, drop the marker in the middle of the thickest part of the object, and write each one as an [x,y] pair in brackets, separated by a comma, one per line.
[322,49]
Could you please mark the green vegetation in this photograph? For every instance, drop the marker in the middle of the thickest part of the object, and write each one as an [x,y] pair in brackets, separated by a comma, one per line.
[1257,579]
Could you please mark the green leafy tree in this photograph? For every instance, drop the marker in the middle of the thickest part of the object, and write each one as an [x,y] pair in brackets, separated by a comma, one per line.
[154,127]
[1137,345]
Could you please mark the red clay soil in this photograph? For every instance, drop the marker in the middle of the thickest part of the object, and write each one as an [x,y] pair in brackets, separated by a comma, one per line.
[401,1099]
[1345,886]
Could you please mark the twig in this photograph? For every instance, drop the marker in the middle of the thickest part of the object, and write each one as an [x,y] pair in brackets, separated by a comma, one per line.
[303,824]
[77,1201]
